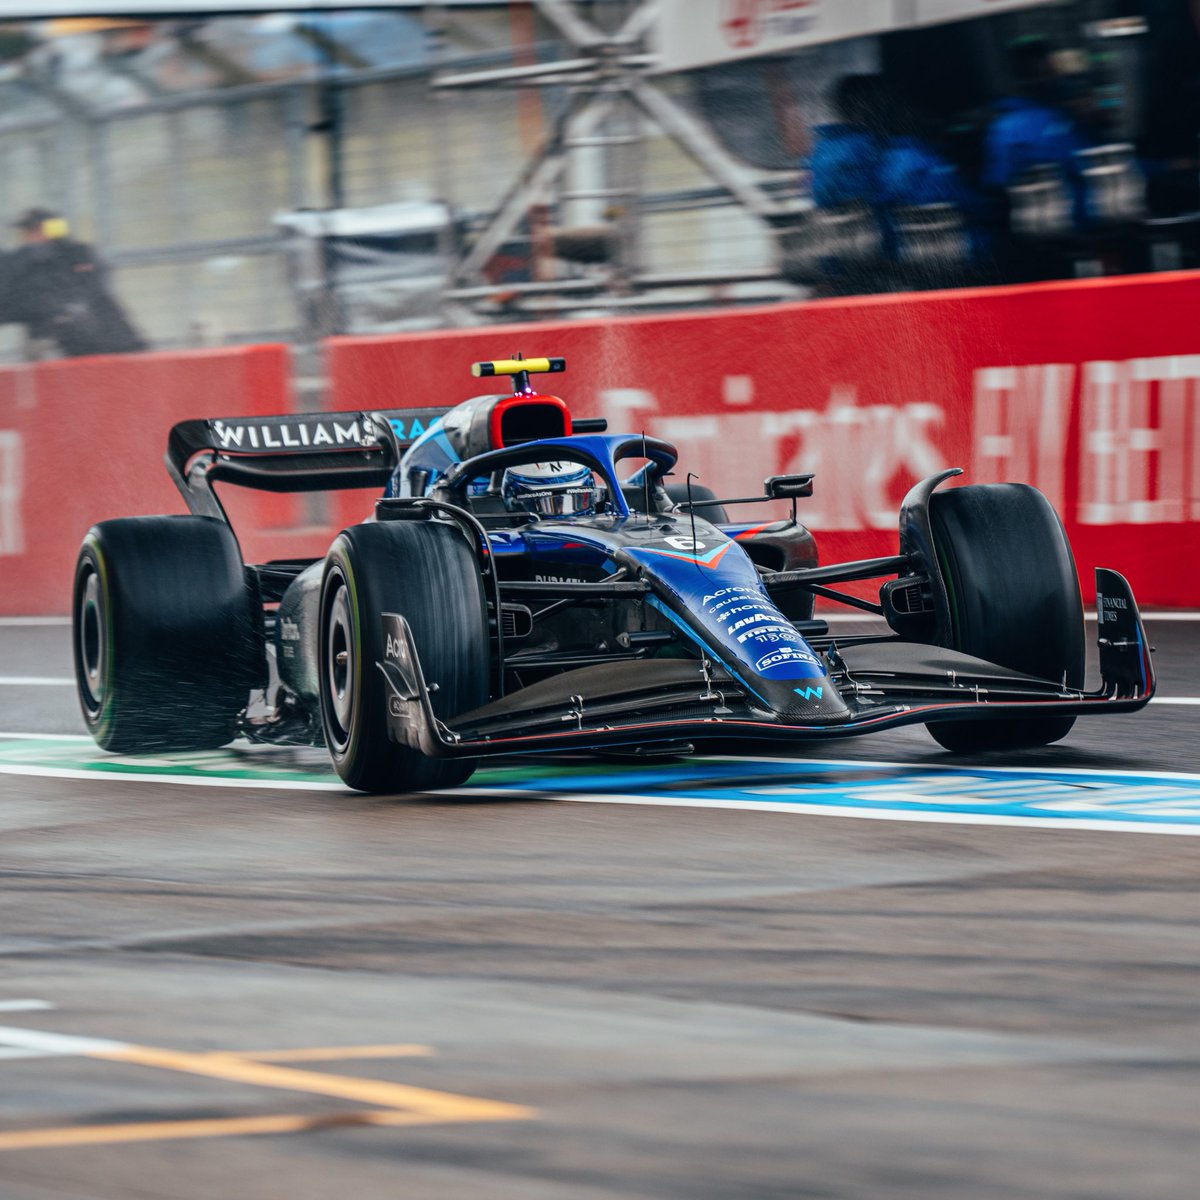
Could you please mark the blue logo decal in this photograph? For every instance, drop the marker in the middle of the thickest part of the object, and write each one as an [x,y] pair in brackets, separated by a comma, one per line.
[808,693]
[414,430]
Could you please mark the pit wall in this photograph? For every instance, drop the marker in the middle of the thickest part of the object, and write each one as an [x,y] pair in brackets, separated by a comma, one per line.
[1089,389]
[83,440]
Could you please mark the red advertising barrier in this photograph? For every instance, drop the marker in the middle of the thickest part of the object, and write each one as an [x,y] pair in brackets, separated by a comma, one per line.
[1088,389]
[83,440]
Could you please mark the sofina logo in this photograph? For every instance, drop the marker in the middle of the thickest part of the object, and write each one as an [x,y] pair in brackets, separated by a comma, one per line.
[786,654]
[808,693]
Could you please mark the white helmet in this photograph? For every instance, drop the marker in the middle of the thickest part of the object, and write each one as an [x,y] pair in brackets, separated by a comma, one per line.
[549,489]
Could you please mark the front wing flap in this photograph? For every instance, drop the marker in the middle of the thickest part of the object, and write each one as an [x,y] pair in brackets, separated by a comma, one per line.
[714,706]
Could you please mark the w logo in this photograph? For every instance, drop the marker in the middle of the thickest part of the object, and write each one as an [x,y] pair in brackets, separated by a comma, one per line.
[808,693]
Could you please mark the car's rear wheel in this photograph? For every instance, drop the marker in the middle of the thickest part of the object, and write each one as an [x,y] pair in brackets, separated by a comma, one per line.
[426,572]
[165,638]
[1014,600]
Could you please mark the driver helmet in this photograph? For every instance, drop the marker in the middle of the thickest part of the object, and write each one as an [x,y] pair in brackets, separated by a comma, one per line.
[549,489]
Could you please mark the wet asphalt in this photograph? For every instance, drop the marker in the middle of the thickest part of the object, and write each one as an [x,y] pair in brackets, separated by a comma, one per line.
[584,1001]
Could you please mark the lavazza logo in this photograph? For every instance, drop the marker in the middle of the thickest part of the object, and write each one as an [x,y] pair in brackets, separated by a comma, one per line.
[287,435]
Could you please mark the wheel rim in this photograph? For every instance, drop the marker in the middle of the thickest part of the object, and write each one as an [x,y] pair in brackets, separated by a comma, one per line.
[90,650]
[340,666]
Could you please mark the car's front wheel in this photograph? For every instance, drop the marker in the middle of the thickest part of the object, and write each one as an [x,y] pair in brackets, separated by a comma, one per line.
[1014,600]
[426,572]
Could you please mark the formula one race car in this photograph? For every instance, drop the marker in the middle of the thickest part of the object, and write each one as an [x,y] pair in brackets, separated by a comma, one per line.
[533,583]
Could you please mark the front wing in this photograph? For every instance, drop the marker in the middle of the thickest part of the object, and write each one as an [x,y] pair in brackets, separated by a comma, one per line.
[884,686]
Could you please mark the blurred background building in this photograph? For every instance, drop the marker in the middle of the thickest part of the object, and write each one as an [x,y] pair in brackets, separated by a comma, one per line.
[289,175]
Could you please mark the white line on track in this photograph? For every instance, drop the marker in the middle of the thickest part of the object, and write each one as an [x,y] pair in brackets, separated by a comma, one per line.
[48,737]
[860,763]
[867,814]
[854,763]
[25,1005]
[34,1043]
[23,622]
[161,778]
[941,817]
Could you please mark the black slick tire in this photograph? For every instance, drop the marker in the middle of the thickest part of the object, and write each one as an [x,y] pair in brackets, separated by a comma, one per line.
[1014,600]
[165,639]
[426,572]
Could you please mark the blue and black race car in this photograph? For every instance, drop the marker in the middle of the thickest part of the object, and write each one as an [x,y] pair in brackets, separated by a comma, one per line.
[530,582]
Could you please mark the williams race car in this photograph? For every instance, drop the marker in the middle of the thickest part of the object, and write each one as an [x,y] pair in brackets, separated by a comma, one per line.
[530,582]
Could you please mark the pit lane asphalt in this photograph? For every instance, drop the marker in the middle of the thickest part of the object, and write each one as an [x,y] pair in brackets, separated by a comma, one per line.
[692,1003]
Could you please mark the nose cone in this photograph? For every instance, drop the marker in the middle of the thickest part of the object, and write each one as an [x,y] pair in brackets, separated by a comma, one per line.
[714,588]
[810,701]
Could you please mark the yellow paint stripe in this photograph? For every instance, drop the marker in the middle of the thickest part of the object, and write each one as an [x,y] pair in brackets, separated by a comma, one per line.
[334,1053]
[443,1106]
[158,1131]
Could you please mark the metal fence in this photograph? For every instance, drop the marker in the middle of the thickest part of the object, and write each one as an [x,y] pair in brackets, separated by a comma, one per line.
[180,194]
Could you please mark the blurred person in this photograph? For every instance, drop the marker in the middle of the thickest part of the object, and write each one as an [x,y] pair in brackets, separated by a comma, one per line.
[839,249]
[58,289]
[877,159]
[915,178]
[1031,129]
[845,159]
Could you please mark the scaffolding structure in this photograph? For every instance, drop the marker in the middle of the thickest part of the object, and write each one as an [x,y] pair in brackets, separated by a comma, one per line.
[574,179]
[582,195]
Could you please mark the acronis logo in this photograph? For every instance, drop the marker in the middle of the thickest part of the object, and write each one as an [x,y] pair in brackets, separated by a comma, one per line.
[808,693]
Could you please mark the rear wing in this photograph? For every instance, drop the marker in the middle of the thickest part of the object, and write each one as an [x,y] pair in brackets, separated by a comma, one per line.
[297,452]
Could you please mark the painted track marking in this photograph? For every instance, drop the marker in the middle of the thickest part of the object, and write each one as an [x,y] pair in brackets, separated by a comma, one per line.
[397,1104]
[951,793]
[161,1131]
[339,1053]
[25,1005]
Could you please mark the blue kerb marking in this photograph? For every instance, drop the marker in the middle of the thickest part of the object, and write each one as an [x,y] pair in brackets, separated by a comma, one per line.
[1132,802]
[1135,799]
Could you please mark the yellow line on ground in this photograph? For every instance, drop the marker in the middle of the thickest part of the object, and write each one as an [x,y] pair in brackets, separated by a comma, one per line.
[334,1053]
[444,1106]
[157,1131]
